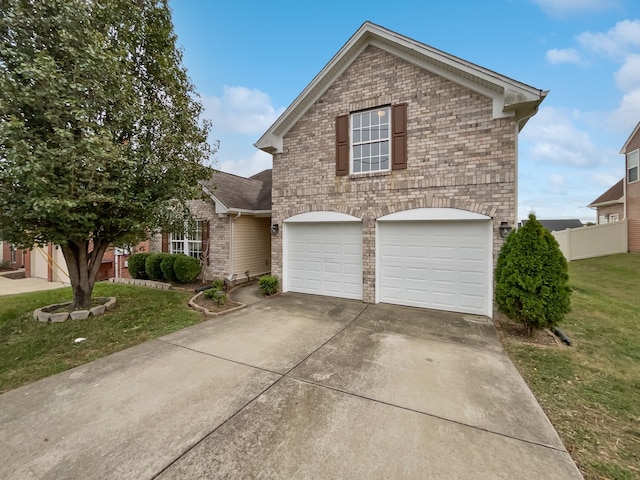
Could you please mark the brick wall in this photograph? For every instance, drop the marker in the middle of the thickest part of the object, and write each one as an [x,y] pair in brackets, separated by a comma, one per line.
[611,209]
[458,155]
[219,237]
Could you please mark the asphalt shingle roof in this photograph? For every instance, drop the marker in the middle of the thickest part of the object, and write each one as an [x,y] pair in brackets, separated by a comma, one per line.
[614,194]
[237,192]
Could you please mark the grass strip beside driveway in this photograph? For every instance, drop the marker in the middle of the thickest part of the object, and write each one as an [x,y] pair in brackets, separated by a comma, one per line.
[31,350]
[591,391]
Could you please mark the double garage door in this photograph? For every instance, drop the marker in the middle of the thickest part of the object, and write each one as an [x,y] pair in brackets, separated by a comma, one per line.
[443,265]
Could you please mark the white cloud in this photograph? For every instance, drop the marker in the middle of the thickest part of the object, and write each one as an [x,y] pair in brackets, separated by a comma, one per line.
[564,55]
[555,139]
[561,8]
[247,167]
[625,117]
[558,184]
[628,76]
[605,179]
[615,43]
[241,110]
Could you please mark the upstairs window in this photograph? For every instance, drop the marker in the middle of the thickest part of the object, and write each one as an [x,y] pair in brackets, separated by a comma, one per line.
[632,166]
[370,140]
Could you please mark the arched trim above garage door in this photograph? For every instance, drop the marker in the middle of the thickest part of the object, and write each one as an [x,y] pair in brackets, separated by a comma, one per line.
[429,214]
[322,216]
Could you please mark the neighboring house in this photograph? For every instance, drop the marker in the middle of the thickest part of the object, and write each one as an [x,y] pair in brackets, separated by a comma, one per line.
[631,152]
[13,257]
[232,236]
[622,201]
[610,205]
[559,224]
[393,171]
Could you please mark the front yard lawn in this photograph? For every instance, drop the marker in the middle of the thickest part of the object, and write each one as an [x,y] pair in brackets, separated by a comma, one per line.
[591,391]
[31,350]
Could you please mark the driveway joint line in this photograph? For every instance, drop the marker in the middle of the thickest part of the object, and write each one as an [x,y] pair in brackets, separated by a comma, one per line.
[366,305]
[238,411]
[409,409]
[207,435]
[219,357]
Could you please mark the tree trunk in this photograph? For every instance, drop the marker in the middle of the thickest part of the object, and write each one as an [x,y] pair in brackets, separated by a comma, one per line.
[83,266]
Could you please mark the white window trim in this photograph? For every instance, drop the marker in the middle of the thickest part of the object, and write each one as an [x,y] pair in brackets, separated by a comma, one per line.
[614,217]
[352,144]
[633,163]
[190,247]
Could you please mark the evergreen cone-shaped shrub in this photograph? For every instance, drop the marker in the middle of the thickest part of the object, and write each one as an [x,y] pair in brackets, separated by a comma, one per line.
[532,278]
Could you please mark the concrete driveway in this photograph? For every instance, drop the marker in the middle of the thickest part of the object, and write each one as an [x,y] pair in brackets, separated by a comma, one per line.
[294,387]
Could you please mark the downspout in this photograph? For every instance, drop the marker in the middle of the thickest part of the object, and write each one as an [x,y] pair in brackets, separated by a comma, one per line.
[231,222]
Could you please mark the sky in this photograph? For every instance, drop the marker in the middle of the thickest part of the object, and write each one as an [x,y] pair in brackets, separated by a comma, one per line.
[249,60]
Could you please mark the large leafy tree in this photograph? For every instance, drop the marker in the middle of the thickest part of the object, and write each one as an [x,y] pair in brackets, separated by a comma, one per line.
[101,139]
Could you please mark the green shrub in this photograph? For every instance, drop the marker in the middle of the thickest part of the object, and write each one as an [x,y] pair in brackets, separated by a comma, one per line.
[268,285]
[217,284]
[186,268]
[167,266]
[532,278]
[152,266]
[137,267]
[212,294]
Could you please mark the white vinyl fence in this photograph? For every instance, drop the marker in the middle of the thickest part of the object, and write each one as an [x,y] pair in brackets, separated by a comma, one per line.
[593,241]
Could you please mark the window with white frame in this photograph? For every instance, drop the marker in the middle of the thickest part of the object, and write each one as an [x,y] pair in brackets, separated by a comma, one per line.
[632,166]
[189,243]
[614,217]
[371,140]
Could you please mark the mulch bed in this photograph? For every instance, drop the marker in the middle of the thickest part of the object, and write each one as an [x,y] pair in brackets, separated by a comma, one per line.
[14,275]
[515,332]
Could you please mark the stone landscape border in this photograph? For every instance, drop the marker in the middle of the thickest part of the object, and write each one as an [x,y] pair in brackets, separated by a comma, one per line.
[144,283]
[46,314]
[206,311]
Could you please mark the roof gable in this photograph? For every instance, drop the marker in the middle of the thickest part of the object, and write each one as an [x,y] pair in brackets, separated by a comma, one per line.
[510,97]
[630,144]
[611,197]
[234,193]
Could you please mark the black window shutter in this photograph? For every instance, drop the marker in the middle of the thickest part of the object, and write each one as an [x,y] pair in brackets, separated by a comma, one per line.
[399,137]
[342,145]
[165,243]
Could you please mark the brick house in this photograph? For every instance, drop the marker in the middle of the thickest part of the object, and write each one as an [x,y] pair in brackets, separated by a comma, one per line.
[610,205]
[622,201]
[392,173]
[631,152]
[11,256]
[232,236]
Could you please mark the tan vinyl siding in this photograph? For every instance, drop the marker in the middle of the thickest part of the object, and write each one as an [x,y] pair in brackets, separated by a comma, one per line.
[251,246]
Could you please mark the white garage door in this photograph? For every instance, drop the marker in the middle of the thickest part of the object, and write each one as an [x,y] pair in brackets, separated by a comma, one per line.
[443,265]
[324,259]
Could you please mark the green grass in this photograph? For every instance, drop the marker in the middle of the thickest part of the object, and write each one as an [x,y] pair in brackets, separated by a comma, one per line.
[31,350]
[591,391]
